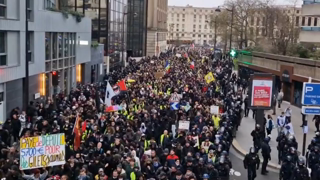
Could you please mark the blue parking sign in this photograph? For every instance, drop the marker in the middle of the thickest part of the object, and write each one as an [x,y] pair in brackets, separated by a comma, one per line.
[311,94]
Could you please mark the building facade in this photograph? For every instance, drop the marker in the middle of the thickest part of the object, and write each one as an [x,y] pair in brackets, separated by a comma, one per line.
[109,27]
[56,44]
[188,24]
[156,26]
[136,34]
[310,31]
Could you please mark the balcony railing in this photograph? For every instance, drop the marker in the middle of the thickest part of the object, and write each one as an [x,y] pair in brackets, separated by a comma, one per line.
[310,28]
[306,2]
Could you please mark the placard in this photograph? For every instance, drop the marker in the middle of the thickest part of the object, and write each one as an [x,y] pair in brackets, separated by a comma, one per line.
[184,125]
[178,55]
[196,140]
[42,151]
[214,109]
[159,75]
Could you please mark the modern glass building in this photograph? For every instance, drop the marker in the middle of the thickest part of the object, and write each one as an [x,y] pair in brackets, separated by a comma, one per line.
[137,28]
[109,26]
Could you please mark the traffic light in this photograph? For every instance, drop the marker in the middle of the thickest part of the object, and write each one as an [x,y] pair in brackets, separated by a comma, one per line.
[233,53]
[55,78]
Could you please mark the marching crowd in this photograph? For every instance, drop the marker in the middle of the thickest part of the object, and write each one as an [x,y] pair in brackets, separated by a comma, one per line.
[145,138]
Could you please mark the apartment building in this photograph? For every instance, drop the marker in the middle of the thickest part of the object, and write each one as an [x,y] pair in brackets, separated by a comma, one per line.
[189,24]
[310,30]
[156,26]
[56,44]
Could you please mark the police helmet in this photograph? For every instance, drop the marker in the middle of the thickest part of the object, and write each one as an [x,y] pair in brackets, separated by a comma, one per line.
[252,150]
[205,176]
[302,161]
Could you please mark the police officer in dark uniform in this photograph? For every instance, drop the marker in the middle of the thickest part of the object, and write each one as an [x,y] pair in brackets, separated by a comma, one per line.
[251,162]
[265,150]
[313,161]
[286,169]
[223,169]
[301,171]
[281,139]
[256,135]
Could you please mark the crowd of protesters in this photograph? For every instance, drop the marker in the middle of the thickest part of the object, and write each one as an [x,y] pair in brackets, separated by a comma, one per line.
[143,140]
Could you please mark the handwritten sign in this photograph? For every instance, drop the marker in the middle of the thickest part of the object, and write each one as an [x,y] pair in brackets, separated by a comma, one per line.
[42,151]
[184,125]
[214,109]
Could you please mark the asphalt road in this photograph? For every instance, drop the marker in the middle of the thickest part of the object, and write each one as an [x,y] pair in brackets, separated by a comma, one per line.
[239,173]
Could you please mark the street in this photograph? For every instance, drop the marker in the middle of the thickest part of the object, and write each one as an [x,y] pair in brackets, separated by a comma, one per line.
[239,173]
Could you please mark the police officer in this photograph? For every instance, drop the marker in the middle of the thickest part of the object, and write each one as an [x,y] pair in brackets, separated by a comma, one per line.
[265,150]
[301,171]
[223,169]
[313,161]
[281,139]
[251,162]
[256,135]
[286,169]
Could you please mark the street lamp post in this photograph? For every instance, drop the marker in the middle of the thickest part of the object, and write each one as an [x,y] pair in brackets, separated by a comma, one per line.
[230,41]
[125,13]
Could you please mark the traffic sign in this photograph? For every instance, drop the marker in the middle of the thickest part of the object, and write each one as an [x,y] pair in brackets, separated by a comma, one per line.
[310,110]
[311,94]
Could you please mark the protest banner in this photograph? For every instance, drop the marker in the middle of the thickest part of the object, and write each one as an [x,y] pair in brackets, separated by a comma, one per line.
[184,125]
[159,75]
[196,140]
[214,109]
[42,151]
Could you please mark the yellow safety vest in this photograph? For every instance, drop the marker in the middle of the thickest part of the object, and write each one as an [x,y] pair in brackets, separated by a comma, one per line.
[133,176]
[124,112]
[162,138]
[146,144]
[130,117]
[169,91]
[216,121]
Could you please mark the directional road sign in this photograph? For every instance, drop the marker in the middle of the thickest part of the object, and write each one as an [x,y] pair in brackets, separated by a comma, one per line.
[310,110]
[311,94]
[175,106]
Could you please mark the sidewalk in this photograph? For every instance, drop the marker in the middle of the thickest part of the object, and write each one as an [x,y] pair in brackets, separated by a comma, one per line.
[243,140]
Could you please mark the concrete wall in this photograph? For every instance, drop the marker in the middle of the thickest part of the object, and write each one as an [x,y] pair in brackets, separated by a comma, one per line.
[309,36]
[302,67]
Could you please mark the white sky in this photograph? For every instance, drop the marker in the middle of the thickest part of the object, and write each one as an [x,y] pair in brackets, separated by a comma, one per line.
[216,3]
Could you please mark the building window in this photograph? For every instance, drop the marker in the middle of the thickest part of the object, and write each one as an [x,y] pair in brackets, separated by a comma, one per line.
[200,10]
[3,54]
[303,21]
[199,35]
[194,20]
[194,26]
[182,25]
[177,19]
[315,22]
[182,35]
[177,34]
[60,43]
[193,35]
[210,36]
[29,45]
[258,21]
[54,46]
[309,21]
[297,20]
[29,9]
[182,20]
[48,45]
[194,30]
[183,9]
[205,26]
[177,15]
[3,8]
[177,29]
[205,16]
[298,11]
[204,36]
[183,16]
[252,21]
[199,30]
[194,16]
[195,10]
[66,44]
[182,30]
[199,26]
[200,16]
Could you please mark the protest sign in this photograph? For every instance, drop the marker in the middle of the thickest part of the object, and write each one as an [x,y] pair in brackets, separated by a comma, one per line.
[175,97]
[214,109]
[184,125]
[178,55]
[159,75]
[42,151]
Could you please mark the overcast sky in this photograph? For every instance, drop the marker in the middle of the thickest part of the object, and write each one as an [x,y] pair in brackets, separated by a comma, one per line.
[215,3]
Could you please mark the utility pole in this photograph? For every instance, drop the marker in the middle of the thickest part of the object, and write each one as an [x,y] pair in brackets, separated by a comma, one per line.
[232,14]
[26,78]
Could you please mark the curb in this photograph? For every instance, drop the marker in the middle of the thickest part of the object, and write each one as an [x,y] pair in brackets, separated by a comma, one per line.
[236,146]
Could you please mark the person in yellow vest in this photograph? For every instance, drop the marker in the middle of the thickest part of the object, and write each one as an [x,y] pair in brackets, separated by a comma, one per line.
[144,142]
[212,156]
[130,116]
[206,144]
[216,121]
[164,139]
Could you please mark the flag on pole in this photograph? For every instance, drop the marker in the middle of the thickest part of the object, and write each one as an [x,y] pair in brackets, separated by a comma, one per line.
[192,65]
[167,66]
[120,86]
[109,94]
[77,134]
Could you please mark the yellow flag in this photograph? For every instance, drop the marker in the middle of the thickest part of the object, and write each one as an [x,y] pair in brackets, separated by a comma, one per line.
[209,78]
